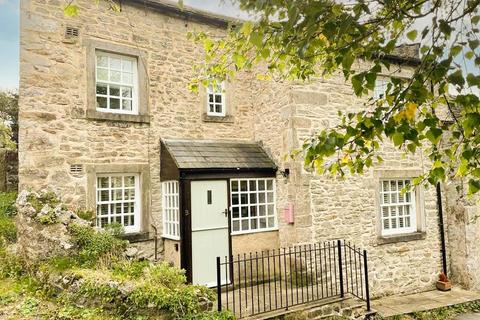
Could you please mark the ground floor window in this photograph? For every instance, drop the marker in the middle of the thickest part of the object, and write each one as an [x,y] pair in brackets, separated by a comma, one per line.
[253,204]
[170,204]
[397,208]
[118,200]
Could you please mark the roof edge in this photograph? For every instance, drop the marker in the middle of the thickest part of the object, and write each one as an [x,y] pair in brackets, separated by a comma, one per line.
[188,13]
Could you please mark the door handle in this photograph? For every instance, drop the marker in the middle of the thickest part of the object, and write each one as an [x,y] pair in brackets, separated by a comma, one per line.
[187,213]
[225,212]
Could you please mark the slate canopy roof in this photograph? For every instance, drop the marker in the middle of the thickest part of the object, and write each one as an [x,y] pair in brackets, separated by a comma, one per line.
[213,154]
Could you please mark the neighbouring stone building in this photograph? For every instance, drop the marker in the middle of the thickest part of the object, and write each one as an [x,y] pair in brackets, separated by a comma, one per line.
[107,121]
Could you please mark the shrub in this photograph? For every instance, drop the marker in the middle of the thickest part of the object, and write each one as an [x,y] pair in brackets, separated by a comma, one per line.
[11,266]
[130,269]
[7,204]
[87,215]
[93,245]
[8,231]
[40,199]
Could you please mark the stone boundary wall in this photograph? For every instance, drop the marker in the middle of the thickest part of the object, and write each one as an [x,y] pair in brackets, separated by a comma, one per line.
[8,170]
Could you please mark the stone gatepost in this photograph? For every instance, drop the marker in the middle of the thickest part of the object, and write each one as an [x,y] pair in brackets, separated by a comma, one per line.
[463,233]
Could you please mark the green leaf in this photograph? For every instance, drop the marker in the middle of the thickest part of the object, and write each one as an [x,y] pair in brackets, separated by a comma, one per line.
[473,44]
[434,135]
[398,139]
[71,10]
[473,186]
[412,35]
[457,78]
[357,83]
[256,39]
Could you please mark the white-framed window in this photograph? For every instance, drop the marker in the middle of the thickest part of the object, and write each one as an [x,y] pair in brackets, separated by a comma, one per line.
[380,88]
[171,213]
[118,200]
[116,83]
[397,208]
[216,100]
[253,205]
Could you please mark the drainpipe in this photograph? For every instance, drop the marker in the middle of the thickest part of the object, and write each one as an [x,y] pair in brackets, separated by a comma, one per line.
[156,241]
[442,228]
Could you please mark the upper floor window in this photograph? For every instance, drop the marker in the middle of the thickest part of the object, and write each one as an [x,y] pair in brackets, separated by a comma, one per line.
[397,208]
[380,88]
[116,81]
[216,100]
[118,200]
[253,205]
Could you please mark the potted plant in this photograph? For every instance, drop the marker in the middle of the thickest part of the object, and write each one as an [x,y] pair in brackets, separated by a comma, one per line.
[443,283]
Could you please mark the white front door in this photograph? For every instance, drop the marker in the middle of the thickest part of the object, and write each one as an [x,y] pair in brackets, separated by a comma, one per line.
[209,229]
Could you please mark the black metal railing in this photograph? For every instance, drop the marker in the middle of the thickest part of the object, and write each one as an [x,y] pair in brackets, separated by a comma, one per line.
[255,283]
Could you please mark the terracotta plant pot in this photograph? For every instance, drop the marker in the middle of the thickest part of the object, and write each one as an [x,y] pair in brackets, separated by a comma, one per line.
[444,285]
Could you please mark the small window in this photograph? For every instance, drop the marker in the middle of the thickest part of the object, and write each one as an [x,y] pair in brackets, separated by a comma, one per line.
[397,208]
[171,216]
[253,205]
[118,200]
[116,83]
[216,100]
[380,89]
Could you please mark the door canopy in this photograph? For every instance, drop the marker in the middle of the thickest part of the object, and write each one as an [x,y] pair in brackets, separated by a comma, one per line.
[213,155]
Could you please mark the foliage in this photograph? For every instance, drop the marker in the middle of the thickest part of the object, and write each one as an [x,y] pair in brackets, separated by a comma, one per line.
[8,230]
[94,245]
[300,40]
[87,215]
[49,218]
[11,266]
[8,120]
[444,313]
[40,199]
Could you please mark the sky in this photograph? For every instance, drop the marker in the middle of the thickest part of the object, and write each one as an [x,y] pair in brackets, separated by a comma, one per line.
[9,34]
[9,42]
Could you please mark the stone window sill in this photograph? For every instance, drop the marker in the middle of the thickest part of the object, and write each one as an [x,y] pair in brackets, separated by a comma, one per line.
[401,238]
[137,237]
[225,119]
[138,118]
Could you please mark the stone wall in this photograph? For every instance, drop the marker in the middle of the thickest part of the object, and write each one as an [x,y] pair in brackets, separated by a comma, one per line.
[462,216]
[8,170]
[56,133]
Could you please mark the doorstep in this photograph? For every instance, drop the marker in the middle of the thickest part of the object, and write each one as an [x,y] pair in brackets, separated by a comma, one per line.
[396,305]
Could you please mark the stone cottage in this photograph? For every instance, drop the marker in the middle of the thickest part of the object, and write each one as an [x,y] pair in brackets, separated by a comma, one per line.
[107,120]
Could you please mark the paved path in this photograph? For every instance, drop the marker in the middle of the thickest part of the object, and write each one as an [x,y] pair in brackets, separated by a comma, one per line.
[395,305]
[468,316]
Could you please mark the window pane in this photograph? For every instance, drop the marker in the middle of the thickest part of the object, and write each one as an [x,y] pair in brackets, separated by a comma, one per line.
[244,224]
[127,105]
[102,102]
[236,225]
[115,63]
[104,195]
[102,61]
[244,212]
[127,65]
[102,74]
[218,98]
[117,182]
[262,210]
[271,222]
[253,198]
[218,108]
[115,91]
[253,224]
[234,186]
[126,92]
[129,181]
[234,199]
[243,185]
[102,88]
[269,184]
[103,182]
[235,212]
[261,184]
[127,78]
[114,103]
[115,76]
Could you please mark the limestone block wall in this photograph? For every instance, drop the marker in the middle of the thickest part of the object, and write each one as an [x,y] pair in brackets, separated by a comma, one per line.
[327,208]
[463,223]
[54,130]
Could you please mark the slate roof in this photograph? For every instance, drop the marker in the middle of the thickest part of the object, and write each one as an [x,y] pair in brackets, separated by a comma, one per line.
[210,154]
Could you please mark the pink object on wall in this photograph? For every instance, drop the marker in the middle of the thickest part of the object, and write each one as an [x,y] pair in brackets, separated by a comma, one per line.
[288,213]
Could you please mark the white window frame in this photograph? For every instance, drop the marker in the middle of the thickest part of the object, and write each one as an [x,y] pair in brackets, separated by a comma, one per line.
[133,86]
[214,93]
[397,205]
[380,87]
[137,213]
[267,203]
[171,209]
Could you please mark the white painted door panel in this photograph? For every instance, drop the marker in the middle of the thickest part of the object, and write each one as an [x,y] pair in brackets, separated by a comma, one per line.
[209,229]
